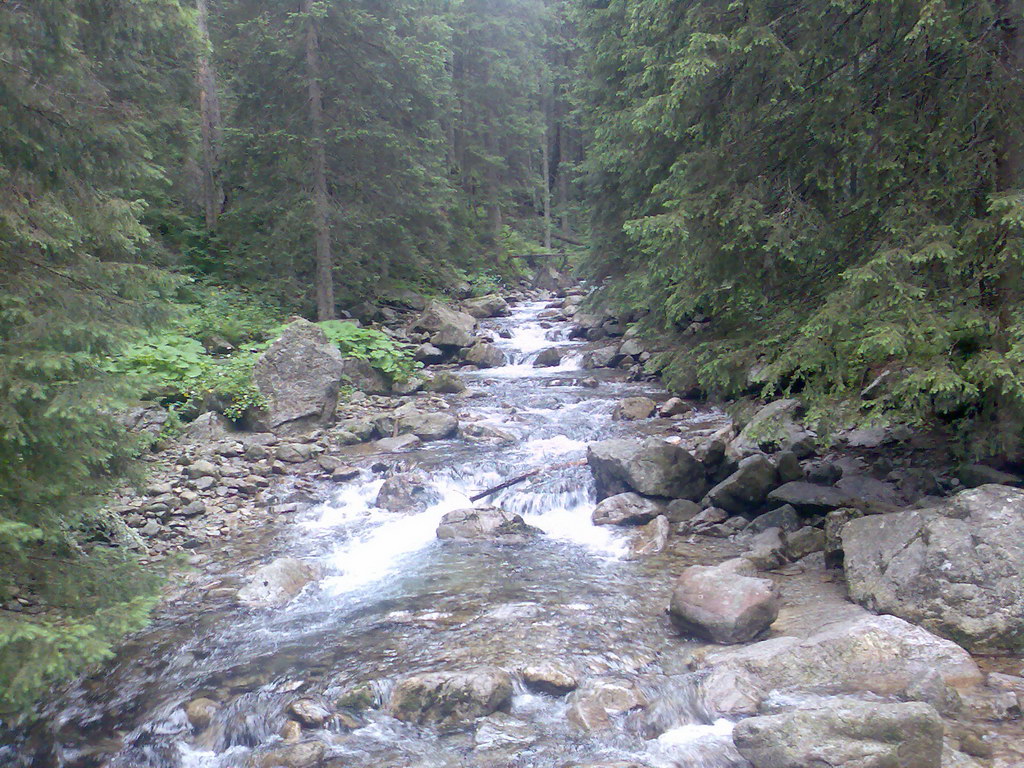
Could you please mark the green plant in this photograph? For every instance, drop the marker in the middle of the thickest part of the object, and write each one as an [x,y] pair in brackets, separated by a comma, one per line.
[229,381]
[391,358]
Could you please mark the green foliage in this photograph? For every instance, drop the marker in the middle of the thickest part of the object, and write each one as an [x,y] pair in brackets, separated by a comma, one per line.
[831,185]
[375,347]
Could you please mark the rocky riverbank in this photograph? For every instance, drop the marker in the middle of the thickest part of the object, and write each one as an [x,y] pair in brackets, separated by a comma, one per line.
[757,598]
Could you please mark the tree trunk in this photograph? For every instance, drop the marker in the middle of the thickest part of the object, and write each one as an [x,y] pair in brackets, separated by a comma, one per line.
[318,166]
[210,121]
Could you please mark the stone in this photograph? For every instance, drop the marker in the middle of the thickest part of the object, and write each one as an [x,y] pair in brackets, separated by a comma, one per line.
[653,468]
[428,354]
[788,467]
[484,523]
[975,475]
[767,549]
[452,339]
[747,488]
[485,433]
[634,409]
[625,509]
[651,538]
[681,510]
[674,406]
[803,542]
[884,655]
[276,583]
[438,317]
[551,677]
[784,518]
[299,375]
[363,377]
[773,428]
[397,444]
[202,468]
[407,492]
[602,357]
[146,419]
[808,498]
[207,428]
[200,712]
[491,305]
[290,732]
[309,713]
[451,699]
[547,358]
[294,453]
[445,383]
[592,706]
[306,754]
[722,606]
[428,426]
[844,733]
[956,569]
[704,520]
[484,355]
[864,490]
[504,734]
[835,521]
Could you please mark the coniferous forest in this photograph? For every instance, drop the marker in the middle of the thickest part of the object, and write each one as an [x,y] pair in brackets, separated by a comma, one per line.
[818,201]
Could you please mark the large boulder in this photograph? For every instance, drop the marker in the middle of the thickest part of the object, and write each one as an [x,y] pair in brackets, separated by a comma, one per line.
[299,376]
[484,523]
[451,699]
[775,427]
[867,654]
[654,468]
[362,376]
[957,568]
[208,428]
[484,355]
[634,409]
[721,605]
[486,306]
[809,499]
[407,492]
[276,583]
[428,426]
[547,358]
[844,733]
[438,317]
[625,509]
[747,488]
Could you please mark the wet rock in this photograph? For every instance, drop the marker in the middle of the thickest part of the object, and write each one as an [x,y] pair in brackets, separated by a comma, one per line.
[503,733]
[485,433]
[784,518]
[290,732]
[552,677]
[700,523]
[957,569]
[299,375]
[774,427]
[975,475]
[484,355]
[653,468]
[747,488]
[808,498]
[486,306]
[277,583]
[602,357]
[451,699]
[674,406]
[845,733]
[682,510]
[408,492]
[651,538]
[207,428]
[722,606]
[548,358]
[428,354]
[625,509]
[445,383]
[484,523]
[592,706]
[307,754]
[871,654]
[767,549]
[397,444]
[309,713]
[803,542]
[634,409]
[428,426]
[200,712]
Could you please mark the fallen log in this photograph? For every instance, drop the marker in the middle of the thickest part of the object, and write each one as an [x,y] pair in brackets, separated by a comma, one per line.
[526,476]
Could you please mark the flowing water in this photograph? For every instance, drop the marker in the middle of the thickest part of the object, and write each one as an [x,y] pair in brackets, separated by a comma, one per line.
[394,600]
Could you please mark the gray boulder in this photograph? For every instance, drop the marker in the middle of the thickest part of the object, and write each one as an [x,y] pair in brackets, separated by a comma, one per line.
[428,426]
[484,523]
[747,488]
[602,357]
[407,492]
[429,354]
[299,375]
[625,509]
[651,538]
[653,468]
[451,339]
[957,569]
[551,677]
[809,499]
[362,376]
[486,306]
[484,355]
[547,358]
[844,733]
[868,654]
[634,409]
[276,583]
[592,706]
[784,518]
[721,605]
[451,699]
[438,317]
[208,428]
[775,427]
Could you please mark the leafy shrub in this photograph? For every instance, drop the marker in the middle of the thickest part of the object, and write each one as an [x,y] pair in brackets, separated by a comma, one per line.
[391,358]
